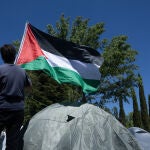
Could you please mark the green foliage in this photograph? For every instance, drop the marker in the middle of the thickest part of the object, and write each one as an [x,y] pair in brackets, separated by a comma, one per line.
[118,72]
[47,91]
[122,116]
[144,111]
[136,112]
[84,35]
[149,105]
[62,28]
[115,112]
[118,69]
[129,120]
[16,44]
[80,32]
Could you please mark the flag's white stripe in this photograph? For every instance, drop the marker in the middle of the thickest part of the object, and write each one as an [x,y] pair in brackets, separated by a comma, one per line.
[56,61]
[86,70]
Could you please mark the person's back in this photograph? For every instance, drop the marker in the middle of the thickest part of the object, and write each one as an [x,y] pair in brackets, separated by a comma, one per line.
[13,80]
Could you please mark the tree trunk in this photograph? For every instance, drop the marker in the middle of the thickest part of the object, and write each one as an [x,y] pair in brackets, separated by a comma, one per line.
[83,98]
[121,113]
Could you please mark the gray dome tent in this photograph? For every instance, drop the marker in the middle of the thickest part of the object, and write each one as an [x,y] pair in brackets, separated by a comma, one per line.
[142,136]
[87,127]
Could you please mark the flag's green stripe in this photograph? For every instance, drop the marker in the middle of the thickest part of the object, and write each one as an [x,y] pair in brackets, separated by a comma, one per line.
[62,75]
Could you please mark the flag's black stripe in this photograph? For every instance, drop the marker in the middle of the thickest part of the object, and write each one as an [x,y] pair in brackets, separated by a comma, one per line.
[65,48]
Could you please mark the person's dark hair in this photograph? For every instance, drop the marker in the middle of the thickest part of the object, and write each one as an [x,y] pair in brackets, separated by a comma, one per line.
[8,53]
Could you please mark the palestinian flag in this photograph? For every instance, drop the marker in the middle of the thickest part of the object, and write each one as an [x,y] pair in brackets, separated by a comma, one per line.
[64,61]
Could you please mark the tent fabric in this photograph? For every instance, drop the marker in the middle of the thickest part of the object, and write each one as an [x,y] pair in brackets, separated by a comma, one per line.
[142,136]
[2,140]
[87,127]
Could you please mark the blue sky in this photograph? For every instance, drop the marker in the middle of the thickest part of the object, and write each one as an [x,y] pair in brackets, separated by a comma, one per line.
[127,17]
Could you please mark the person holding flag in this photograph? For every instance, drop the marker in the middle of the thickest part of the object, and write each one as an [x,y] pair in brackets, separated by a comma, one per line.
[13,81]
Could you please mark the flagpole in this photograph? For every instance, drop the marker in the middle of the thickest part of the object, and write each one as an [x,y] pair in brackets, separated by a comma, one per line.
[21,44]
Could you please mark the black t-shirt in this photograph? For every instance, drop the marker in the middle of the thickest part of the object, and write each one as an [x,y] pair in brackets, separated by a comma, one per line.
[13,80]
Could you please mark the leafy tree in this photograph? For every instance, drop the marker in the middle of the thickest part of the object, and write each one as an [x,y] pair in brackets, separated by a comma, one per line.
[144,111]
[129,120]
[118,72]
[115,112]
[16,44]
[80,33]
[47,91]
[122,115]
[136,112]
[149,104]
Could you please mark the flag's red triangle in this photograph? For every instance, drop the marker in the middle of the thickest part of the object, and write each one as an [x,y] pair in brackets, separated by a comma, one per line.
[29,49]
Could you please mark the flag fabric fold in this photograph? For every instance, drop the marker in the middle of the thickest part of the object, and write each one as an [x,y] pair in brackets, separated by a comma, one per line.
[64,61]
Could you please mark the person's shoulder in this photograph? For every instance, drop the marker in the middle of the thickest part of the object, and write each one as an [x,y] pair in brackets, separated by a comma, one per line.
[3,66]
[19,68]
